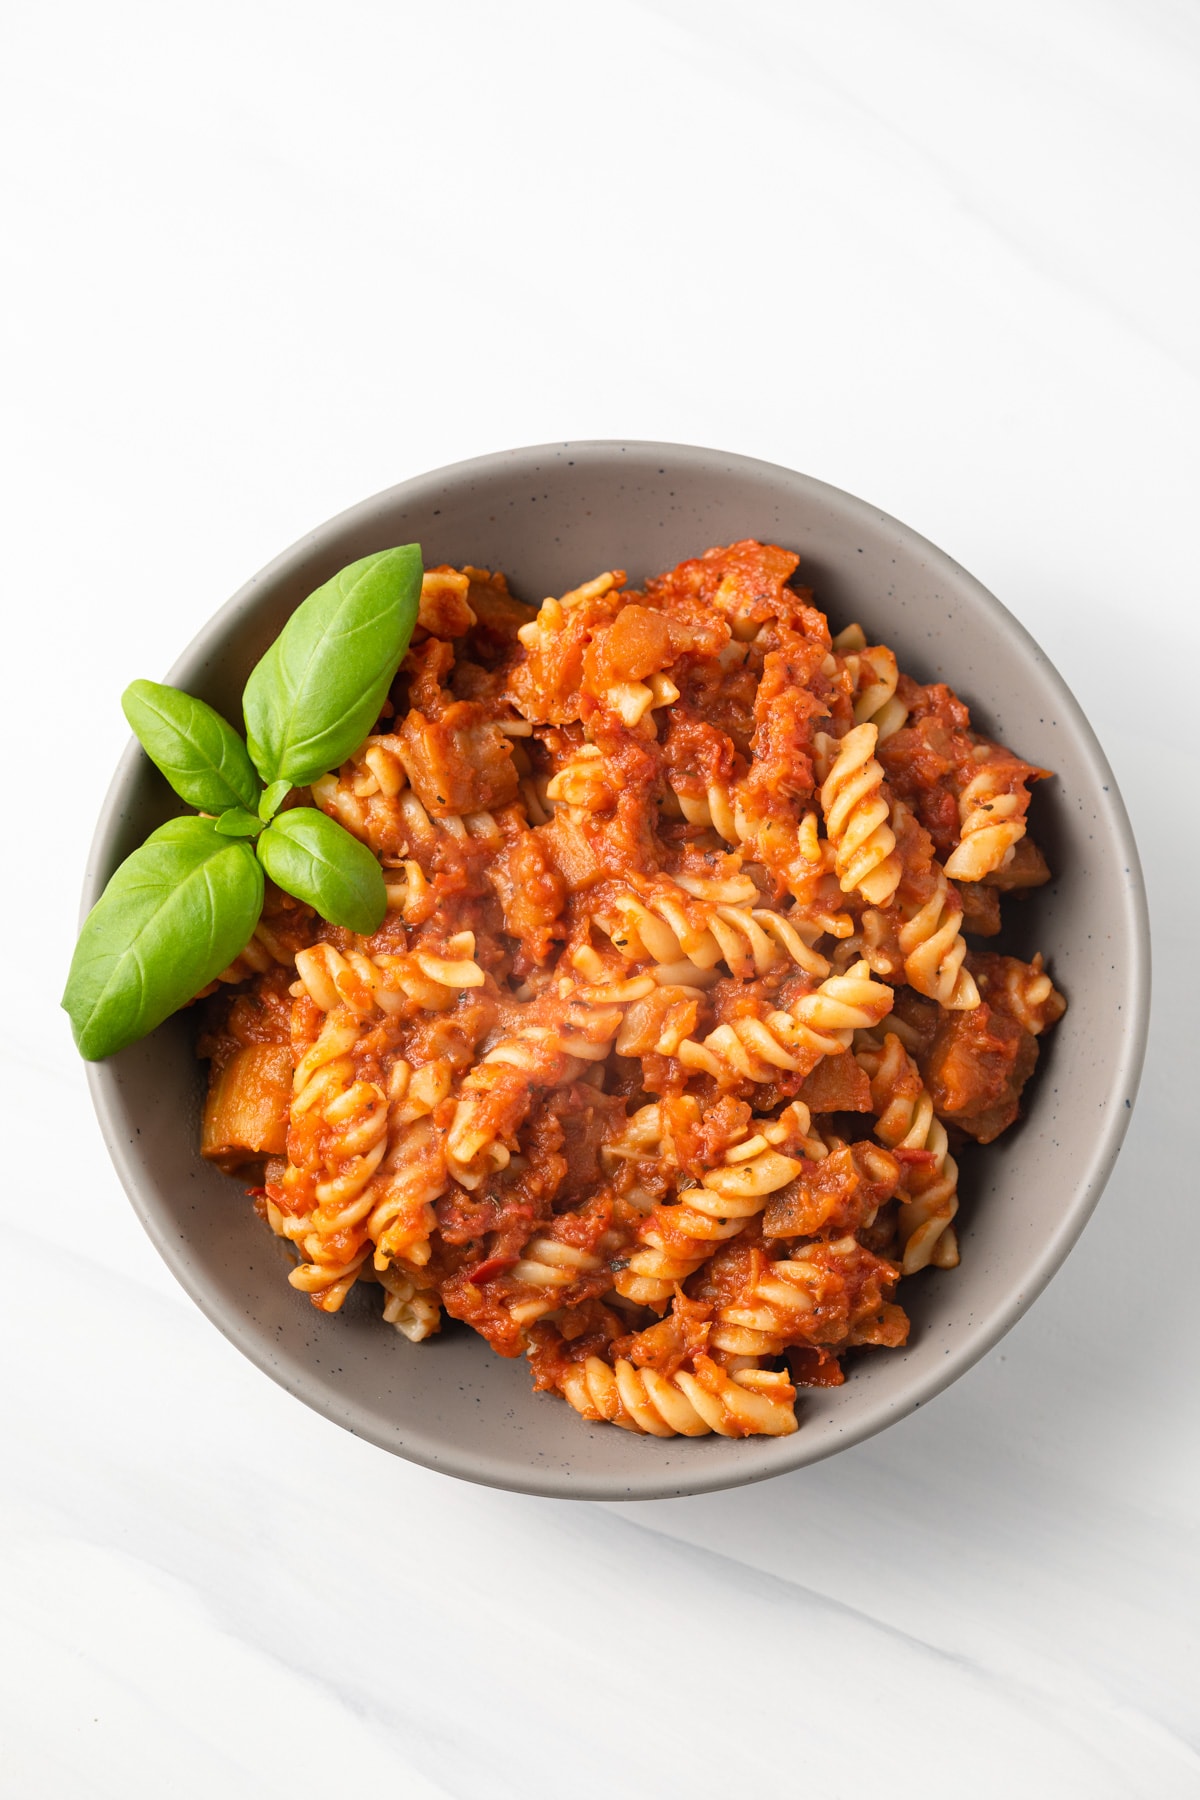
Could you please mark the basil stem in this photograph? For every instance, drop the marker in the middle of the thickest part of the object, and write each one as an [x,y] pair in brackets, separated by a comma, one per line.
[175,913]
[200,754]
[317,692]
[317,860]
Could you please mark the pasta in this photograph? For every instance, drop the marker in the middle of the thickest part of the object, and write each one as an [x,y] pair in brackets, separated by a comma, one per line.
[821,1294]
[756,1046]
[856,816]
[654,1072]
[690,1403]
[906,1122]
[673,1241]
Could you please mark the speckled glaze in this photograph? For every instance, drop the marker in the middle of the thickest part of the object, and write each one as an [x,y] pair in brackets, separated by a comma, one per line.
[551,516]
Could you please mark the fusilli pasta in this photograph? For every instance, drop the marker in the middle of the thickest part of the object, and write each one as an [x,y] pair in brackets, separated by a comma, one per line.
[653,1071]
[690,1403]
[676,1238]
[907,1124]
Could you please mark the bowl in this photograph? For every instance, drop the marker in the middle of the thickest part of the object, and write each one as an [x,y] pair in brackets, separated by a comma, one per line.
[551,516]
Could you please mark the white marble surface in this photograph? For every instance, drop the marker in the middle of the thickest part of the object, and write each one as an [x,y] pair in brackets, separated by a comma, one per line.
[263,259]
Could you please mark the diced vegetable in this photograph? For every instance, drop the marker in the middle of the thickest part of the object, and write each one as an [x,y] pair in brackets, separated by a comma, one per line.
[246,1113]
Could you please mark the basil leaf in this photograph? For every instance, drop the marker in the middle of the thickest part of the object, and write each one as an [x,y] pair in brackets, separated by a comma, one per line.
[238,823]
[201,755]
[273,798]
[318,690]
[173,916]
[315,859]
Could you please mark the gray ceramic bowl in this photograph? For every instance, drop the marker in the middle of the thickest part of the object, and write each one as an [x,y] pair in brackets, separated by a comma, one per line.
[550,517]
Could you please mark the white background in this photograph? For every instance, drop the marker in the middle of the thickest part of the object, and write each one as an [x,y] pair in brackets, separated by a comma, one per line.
[261,260]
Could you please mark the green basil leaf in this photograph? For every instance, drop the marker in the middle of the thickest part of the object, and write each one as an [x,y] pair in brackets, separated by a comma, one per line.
[273,798]
[318,861]
[238,823]
[201,755]
[318,690]
[173,916]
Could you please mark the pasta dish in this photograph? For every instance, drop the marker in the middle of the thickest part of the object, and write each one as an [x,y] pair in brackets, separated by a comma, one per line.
[654,1072]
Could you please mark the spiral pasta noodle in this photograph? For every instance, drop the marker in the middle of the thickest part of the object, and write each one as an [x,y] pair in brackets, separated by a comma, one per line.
[1026,992]
[410,1310]
[677,1238]
[823,1290]
[691,1403]
[907,1124]
[716,809]
[856,819]
[325,1193]
[688,934]
[992,815]
[931,943]
[874,675]
[819,1024]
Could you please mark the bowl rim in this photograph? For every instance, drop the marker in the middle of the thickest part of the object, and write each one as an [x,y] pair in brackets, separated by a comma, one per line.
[792,1452]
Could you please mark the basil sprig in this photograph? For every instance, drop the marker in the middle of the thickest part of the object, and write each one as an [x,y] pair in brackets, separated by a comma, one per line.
[183,907]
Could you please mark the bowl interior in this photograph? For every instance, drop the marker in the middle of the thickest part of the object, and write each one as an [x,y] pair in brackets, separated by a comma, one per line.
[551,517]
